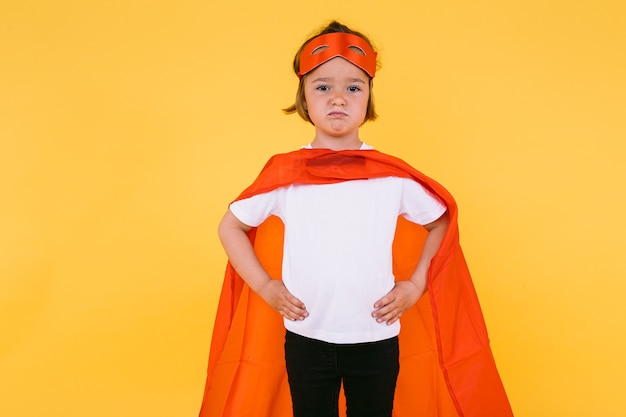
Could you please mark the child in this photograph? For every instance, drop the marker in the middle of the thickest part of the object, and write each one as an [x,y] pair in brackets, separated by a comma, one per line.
[338,294]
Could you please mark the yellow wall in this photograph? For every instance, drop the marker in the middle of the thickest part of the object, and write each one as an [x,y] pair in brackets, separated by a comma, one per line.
[127,126]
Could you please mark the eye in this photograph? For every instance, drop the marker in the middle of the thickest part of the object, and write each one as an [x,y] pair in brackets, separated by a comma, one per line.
[354,89]
[322,88]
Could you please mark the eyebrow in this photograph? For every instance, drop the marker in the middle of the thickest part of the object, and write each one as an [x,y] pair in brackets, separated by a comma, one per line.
[327,79]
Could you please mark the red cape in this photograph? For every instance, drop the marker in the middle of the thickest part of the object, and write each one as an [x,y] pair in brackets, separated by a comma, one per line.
[446,365]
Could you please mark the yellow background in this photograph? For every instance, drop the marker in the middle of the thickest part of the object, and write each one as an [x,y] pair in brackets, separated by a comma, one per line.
[127,126]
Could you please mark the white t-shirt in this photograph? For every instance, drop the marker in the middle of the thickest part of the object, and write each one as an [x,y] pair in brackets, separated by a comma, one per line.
[337,250]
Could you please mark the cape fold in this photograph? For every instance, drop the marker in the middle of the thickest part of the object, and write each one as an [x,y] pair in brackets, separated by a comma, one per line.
[446,365]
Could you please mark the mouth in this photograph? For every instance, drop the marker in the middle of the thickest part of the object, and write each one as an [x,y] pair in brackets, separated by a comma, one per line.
[337,114]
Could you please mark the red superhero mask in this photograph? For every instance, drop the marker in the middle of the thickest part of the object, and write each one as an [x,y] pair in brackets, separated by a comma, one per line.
[326,47]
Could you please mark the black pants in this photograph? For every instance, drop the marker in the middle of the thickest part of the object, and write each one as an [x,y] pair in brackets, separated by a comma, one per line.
[316,370]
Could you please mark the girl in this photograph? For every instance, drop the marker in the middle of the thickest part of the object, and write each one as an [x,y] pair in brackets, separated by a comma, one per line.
[337,290]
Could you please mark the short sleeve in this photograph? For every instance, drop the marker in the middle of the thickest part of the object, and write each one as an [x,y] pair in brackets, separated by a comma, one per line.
[418,205]
[253,211]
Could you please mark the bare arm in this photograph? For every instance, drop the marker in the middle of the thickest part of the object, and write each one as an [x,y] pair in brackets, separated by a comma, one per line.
[406,293]
[232,233]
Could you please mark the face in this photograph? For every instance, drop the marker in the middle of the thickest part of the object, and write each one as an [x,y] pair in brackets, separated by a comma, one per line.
[336,95]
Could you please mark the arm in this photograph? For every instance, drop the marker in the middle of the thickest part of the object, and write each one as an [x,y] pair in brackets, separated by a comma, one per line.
[406,293]
[233,234]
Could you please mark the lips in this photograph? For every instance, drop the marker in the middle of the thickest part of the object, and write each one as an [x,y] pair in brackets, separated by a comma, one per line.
[337,114]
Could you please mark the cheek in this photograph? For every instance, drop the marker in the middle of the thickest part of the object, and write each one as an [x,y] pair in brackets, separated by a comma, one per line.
[365,104]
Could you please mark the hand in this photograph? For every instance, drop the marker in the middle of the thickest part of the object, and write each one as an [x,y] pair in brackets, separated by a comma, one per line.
[280,299]
[403,296]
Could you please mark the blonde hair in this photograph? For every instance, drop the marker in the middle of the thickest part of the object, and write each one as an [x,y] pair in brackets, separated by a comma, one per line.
[300,105]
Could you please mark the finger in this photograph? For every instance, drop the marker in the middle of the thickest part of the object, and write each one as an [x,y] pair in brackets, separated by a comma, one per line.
[390,317]
[295,301]
[385,305]
[288,315]
[387,299]
[295,311]
[385,313]
[293,314]
[296,306]
[394,319]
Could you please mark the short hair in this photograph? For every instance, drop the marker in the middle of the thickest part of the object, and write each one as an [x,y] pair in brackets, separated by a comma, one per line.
[299,106]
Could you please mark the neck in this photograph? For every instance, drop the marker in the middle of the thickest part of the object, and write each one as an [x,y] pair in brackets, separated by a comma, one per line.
[337,144]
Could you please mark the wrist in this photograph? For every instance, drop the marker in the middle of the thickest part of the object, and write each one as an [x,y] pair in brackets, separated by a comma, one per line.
[261,286]
[419,283]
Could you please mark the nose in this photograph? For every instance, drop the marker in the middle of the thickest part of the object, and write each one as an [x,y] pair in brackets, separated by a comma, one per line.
[338,99]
